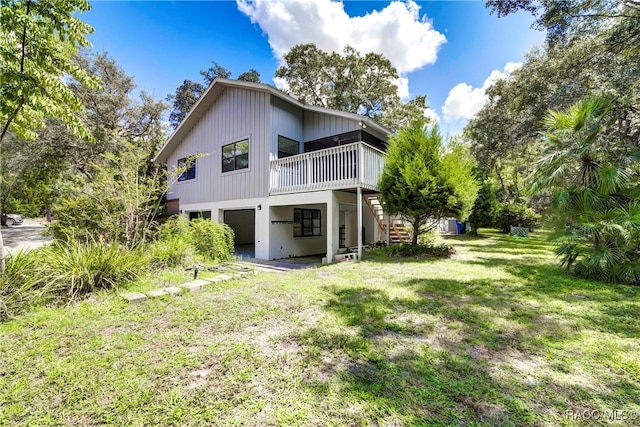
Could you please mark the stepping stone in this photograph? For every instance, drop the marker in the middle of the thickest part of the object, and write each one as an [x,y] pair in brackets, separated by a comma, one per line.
[134,297]
[220,278]
[194,286]
[172,290]
[157,293]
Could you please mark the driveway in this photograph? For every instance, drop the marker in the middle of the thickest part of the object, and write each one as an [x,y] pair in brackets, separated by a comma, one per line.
[24,237]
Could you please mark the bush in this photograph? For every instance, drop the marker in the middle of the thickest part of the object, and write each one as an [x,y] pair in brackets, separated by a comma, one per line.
[170,252]
[176,226]
[212,240]
[516,214]
[405,251]
[79,218]
[614,259]
[178,237]
[428,238]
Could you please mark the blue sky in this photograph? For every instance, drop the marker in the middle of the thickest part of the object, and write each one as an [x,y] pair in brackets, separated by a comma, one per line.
[448,50]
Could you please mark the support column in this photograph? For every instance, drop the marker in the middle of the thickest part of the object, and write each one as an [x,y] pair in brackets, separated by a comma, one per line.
[262,231]
[333,226]
[359,223]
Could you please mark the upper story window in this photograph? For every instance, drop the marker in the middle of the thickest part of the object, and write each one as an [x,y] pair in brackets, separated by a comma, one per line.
[287,147]
[187,166]
[235,156]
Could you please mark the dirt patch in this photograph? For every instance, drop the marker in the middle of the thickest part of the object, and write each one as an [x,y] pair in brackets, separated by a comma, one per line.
[198,378]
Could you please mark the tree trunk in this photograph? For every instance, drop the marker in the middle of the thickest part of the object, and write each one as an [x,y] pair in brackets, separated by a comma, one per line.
[416,224]
[503,190]
[1,255]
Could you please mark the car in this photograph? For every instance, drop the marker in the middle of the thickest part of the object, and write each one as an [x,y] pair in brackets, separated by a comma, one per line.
[13,219]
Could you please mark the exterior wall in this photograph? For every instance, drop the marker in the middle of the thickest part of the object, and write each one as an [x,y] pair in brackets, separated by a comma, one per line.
[286,120]
[330,222]
[276,241]
[284,245]
[236,114]
[317,125]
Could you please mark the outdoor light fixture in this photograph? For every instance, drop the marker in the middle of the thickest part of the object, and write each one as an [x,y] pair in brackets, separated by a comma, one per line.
[259,207]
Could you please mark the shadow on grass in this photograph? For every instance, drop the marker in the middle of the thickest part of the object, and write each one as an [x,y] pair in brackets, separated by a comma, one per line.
[400,259]
[617,311]
[474,351]
[389,366]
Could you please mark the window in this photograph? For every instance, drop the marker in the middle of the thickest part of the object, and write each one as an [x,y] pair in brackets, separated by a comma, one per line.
[235,156]
[306,222]
[287,147]
[199,214]
[188,167]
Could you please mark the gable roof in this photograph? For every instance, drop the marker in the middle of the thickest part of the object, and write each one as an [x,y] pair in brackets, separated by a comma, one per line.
[217,88]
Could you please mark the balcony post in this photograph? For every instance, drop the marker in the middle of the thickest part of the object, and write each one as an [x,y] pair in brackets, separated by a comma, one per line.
[360,164]
[359,222]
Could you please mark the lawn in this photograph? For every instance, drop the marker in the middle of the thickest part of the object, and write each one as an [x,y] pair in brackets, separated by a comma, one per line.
[498,335]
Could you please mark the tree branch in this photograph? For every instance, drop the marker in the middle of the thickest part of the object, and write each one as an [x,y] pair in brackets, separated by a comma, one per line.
[23,56]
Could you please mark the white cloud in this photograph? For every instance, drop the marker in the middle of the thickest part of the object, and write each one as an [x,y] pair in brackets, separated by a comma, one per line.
[403,87]
[431,115]
[398,31]
[464,101]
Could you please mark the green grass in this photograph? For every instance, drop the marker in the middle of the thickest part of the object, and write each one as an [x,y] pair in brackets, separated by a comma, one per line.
[497,335]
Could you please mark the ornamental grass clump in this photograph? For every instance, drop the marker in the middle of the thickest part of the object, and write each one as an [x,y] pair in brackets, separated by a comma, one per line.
[21,283]
[75,268]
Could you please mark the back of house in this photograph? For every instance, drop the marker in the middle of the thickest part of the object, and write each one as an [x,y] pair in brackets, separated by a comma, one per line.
[284,175]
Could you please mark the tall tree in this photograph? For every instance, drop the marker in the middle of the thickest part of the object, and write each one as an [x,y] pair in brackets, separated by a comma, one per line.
[117,189]
[566,20]
[188,93]
[424,183]
[250,76]
[186,96]
[111,113]
[602,61]
[349,81]
[38,40]
[485,208]
[216,70]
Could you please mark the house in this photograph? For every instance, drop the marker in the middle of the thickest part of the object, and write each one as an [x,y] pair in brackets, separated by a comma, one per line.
[289,178]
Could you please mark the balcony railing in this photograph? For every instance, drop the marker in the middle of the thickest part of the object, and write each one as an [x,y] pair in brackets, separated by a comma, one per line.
[342,167]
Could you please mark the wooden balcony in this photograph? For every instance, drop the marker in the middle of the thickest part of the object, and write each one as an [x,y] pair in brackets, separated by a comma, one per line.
[336,168]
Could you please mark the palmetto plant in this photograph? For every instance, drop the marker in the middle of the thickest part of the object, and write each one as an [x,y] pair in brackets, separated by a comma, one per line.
[595,190]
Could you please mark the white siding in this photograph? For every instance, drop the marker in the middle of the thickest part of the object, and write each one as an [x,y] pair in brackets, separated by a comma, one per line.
[317,125]
[235,115]
[286,120]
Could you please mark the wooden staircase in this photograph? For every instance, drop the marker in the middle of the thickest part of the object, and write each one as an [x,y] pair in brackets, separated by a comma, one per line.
[397,231]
